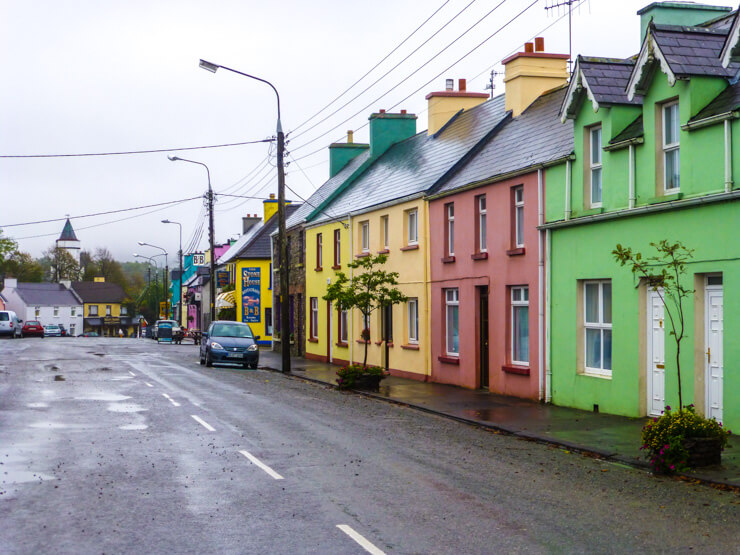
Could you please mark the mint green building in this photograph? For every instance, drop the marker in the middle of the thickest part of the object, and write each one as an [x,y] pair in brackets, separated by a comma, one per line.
[657,156]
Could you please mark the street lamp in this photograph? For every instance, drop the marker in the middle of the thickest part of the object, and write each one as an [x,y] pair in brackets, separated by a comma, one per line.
[166,271]
[212,286]
[180,280]
[156,271]
[282,243]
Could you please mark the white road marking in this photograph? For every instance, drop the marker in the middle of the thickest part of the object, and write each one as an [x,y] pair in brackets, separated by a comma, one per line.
[171,400]
[148,384]
[262,465]
[203,423]
[366,545]
[130,372]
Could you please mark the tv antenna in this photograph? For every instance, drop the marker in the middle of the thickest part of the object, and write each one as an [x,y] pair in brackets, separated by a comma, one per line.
[569,3]
[490,86]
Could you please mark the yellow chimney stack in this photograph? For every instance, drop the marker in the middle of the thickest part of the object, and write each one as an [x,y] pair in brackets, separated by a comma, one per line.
[442,105]
[530,73]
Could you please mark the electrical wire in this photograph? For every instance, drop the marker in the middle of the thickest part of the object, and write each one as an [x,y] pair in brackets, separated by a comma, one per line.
[133,151]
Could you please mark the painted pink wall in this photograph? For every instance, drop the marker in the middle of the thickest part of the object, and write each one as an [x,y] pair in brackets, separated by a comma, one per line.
[499,272]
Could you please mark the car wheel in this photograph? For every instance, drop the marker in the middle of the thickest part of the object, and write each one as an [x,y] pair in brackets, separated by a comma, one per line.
[253,365]
[209,361]
[201,359]
[246,365]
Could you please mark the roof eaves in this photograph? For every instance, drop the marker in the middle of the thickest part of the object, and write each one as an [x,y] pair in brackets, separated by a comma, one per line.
[642,73]
[731,49]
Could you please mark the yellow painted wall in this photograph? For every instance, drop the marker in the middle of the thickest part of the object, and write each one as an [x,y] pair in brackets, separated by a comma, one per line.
[528,76]
[114,311]
[412,266]
[258,328]
[442,108]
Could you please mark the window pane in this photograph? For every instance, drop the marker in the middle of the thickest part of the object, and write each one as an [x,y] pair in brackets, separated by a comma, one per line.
[592,303]
[593,348]
[670,123]
[482,203]
[596,185]
[516,294]
[606,310]
[452,237]
[520,225]
[596,146]
[483,243]
[453,337]
[672,167]
[607,349]
[521,334]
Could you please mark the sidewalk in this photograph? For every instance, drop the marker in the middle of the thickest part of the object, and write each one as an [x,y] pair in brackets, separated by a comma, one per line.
[612,437]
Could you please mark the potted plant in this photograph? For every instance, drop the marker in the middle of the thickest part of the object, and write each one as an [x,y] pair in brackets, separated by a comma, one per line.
[357,376]
[679,440]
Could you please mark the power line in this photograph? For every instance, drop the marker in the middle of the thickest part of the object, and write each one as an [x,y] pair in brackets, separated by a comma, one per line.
[101,213]
[132,151]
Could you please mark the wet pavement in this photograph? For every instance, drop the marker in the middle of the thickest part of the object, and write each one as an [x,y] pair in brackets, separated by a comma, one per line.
[612,437]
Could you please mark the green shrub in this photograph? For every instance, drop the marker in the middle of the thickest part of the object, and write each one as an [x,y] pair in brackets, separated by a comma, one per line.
[347,375]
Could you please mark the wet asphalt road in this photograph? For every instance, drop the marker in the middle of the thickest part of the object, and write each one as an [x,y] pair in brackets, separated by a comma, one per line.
[126,446]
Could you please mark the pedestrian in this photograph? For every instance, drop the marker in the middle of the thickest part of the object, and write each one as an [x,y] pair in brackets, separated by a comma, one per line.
[120,332]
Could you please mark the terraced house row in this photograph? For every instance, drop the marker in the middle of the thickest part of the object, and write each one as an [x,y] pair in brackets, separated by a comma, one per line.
[502,216]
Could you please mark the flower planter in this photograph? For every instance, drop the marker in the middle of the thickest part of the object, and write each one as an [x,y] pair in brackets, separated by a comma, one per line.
[368,382]
[703,451]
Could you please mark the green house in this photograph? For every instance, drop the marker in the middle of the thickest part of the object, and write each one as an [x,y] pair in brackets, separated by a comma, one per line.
[657,156]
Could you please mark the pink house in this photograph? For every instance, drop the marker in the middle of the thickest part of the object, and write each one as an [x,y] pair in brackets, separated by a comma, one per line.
[486,253]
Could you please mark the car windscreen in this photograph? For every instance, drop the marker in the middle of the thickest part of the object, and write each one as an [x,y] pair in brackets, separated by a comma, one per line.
[4,316]
[231,330]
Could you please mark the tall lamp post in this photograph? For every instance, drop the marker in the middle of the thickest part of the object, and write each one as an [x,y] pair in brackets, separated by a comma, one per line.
[166,271]
[212,285]
[156,271]
[180,280]
[282,243]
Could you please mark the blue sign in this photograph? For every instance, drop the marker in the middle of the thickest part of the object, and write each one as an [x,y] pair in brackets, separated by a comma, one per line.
[251,295]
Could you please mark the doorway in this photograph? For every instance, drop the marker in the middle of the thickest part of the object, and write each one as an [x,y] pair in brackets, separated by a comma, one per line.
[483,337]
[655,353]
[713,336]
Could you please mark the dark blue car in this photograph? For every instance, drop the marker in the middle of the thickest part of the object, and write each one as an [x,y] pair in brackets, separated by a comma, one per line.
[231,342]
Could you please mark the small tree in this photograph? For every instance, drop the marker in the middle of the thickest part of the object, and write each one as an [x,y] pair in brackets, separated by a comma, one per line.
[368,290]
[663,273]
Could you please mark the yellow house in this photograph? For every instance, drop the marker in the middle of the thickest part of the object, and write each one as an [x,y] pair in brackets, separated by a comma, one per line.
[103,308]
[251,256]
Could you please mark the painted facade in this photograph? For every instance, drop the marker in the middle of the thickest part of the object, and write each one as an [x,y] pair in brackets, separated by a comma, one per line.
[658,160]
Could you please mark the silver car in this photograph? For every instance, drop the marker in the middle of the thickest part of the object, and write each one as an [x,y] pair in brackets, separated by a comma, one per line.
[9,324]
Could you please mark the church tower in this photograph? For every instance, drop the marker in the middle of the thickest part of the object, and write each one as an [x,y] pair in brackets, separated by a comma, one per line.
[69,242]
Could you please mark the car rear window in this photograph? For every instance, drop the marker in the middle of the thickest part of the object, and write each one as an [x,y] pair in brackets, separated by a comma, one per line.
[32,323]
[4,316]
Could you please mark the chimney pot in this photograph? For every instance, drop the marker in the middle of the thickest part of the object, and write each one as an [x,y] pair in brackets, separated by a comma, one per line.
[528,47]
[462,85]
[539,44]
[272,196]
[381,111]
[449,84]
[403,111]
[350,136]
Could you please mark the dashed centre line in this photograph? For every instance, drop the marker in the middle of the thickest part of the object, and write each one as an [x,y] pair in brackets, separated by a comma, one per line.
[148,384]
[366,545]
[130,372]
[262,465]
[171,400]
[203,423]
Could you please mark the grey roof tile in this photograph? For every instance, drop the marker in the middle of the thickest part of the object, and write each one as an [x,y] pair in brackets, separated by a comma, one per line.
[535,137]
[632,131]
[726,101]
[46,294]
[99,292]
[693,50]
[607,78]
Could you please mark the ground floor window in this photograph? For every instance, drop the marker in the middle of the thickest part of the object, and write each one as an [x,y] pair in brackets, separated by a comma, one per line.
[314,317]
[597,324]
[413,320]
[520,325]
[343,326]
[452,321]
[268,321]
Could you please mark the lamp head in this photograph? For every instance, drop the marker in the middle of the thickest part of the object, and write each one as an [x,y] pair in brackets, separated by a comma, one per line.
[136,255]
[165,221]
[208,66]
[173,158]
[141,243]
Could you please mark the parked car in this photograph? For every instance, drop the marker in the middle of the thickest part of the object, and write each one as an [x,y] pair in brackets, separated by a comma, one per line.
[232,342]
[32,327]
[177,332]
[10,324]
[89,334]
[52,330]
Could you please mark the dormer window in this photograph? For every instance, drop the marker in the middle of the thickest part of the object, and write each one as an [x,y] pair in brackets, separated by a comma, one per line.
[595,165]
[671,157]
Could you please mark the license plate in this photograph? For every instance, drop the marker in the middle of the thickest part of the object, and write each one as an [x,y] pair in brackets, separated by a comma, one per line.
[236,355]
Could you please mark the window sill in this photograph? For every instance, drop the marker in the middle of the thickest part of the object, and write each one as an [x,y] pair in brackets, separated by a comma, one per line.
[362,341]
[449,360]
[384,251]
[591,374]
[479,256]
[312,340]
[589,212]
[390,343]
[516,252]
[448,260]
[336,267]
[521,370]
[318,269]
[362,255]
[410,248]
[665,198]
[410,347]
[341,344]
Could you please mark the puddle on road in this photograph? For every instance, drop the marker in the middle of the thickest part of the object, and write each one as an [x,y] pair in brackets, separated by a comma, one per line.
[37,406]
[125,407]
[11,476]
[119,378]
[133,427]
[49,425]
[59,378]
[108,397]
[103,369]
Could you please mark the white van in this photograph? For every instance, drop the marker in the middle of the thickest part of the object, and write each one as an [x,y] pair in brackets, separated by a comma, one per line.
[9,324]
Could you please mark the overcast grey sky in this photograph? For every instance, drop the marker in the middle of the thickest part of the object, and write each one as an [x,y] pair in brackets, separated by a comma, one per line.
[101,76]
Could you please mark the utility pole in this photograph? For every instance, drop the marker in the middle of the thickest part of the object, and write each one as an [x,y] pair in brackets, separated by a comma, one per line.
[166,292]
[283,248]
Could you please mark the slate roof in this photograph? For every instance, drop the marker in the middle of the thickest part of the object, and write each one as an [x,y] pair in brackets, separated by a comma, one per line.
[632,131]
[323,192]
[607,78]
[99,292]
[693,50]
[416,164]
[68,233]
[258,243]
[726,101]
[535,137]
[46,294]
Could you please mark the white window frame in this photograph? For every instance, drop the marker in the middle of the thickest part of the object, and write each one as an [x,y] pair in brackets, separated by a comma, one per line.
[337,247]
[669,148]
[108,310]
[37,312]
[600,325]
[450,211]
[482,223]
[413,320]
[452,303]
[314,318]
[596,165]
[365,236]
[90,310]
[56,311]
[73,311]
[519,216]
[124,311]
[412,228]
[365,319]
[319,250]
[72,330]
[386,233]
[519,298]
[343,326]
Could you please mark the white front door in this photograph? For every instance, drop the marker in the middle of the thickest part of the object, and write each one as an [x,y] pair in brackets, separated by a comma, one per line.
[713,353]
[656,354]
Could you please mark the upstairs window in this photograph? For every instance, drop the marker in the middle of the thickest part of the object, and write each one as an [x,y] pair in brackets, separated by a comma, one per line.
[671,157]
[385,237]
[519,216]
[412,227]
[108,310]
[319,251]
[124,311]
[595,164]
[37,311]
[482,223]
[365,236]
[56,311]
[337,248]
[450,230]
[73,311]
[93,310]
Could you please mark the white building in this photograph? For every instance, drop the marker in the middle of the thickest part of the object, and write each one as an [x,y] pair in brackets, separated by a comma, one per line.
[49,303]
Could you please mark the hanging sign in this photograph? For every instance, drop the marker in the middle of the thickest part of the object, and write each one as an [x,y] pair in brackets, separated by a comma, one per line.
[251,295]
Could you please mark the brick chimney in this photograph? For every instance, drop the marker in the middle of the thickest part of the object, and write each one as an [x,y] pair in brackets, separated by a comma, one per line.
[387,129]
[341,153]
[530,73]
[442,105]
